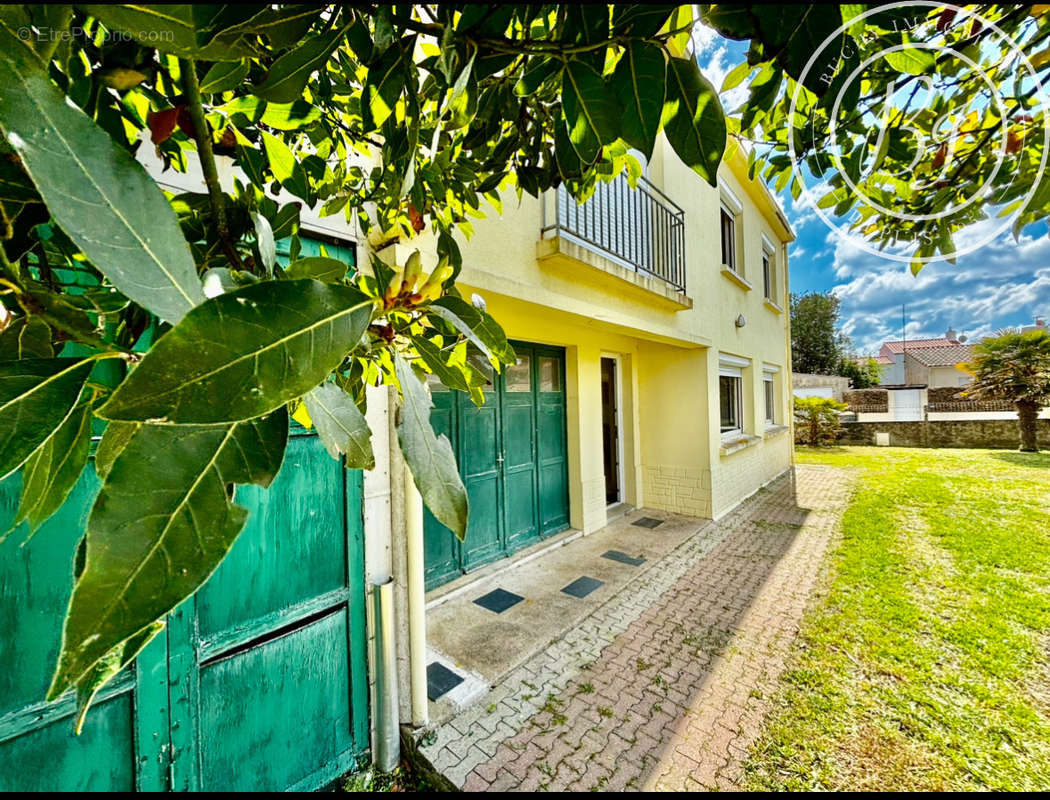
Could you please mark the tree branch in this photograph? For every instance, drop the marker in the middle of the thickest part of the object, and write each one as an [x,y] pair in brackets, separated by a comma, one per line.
[202,136]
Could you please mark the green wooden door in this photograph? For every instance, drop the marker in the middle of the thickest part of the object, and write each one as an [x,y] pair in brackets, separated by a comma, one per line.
[259,681]
[440,547]
[512,457]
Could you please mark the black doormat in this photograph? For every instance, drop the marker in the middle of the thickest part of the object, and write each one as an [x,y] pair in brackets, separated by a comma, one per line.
[440,679]
[581,587]
[499,600]
[648,522]
[623,558]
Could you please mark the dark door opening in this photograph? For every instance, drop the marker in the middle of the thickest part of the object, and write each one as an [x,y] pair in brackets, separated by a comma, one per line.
[610,432]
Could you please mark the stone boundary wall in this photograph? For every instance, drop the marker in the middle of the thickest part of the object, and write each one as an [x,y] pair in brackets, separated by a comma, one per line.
[869,400]
[991,433]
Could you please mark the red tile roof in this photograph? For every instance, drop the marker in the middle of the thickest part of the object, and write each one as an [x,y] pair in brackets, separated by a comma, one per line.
[913,344]
[939,356]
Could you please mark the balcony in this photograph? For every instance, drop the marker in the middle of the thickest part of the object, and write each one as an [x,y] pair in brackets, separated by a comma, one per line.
[636,235]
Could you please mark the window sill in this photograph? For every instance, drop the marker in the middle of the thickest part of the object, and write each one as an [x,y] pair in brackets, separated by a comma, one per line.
[773,306]
[737,442]
[736,278]
[772,431]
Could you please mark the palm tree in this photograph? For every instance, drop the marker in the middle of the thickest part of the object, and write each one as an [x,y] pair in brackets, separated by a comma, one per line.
[1014,366]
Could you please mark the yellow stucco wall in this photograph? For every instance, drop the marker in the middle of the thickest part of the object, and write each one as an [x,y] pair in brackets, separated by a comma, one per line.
[667,352]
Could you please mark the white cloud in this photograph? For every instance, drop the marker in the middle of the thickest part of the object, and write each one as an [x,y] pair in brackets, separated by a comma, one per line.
[712,53]
[1002,283]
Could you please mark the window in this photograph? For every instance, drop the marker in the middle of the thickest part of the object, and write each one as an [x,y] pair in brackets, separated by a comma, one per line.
[550,374]
[519,375]
[771,402]
[730,391]
[731,209]
[729,239]
[769,269]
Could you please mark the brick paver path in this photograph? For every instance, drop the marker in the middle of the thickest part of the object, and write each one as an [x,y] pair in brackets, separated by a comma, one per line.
[665,687]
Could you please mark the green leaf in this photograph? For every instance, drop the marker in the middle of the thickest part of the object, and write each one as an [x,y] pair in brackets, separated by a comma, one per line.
[243,354]
[539,69]
[639,81]
[26,337]
[264,241]
[437,361]
[280,157]
[320,268]
[382,88]
[477,325]
[283,26]
[224,76]
[911,60]
[640,20]
[162,523]
[736,76]
[289,74]
[282,116]
[430,457]
[114,439]
[108,667]
[36,396]
[693,120]
[591,110]
[53,470]
[97,193]
[341,425]
[207,32]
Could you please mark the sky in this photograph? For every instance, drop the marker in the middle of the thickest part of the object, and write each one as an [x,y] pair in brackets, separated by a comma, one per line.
[1004,283]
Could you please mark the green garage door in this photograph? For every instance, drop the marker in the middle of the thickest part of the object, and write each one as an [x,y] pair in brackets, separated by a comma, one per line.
[511,454]
[258,683]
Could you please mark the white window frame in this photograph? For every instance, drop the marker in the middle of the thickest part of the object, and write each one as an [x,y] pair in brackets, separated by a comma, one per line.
[732,208]
[769,269]
[769,382]
[732,367]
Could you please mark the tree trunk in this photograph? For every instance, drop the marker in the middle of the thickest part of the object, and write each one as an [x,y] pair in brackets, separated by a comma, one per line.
[1027,414]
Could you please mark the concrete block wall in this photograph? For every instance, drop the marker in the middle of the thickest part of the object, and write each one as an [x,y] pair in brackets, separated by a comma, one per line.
[743,472]
[682,490]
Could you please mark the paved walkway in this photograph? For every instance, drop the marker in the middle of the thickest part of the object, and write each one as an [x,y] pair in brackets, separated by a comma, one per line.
[665,686]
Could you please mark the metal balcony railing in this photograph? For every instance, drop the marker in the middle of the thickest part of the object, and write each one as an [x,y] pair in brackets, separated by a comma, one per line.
[641,228]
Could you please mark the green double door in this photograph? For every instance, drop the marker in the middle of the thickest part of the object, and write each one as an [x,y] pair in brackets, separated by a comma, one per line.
[259,681]
[512,458]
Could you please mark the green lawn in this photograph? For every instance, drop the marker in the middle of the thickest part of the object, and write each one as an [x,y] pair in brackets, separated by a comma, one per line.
[926,666]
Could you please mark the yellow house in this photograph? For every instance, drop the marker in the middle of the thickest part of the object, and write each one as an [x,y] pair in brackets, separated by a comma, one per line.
[653,342]
[653,371]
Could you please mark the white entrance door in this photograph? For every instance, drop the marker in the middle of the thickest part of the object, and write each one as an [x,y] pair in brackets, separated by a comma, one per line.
[906,405]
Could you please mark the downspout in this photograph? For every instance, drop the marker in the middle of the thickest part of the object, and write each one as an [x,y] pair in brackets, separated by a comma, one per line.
[406,518]
[388,740]
[417,621]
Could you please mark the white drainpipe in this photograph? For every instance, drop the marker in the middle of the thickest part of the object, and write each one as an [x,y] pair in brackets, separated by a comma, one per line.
[387,752]
[417,621]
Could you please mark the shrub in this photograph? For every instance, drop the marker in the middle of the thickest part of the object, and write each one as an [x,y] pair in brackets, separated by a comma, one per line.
[817,420]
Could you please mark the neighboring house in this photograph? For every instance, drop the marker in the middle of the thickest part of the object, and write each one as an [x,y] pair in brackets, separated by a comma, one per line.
[1039,325]
[928,363]
[653,364]
[808,385]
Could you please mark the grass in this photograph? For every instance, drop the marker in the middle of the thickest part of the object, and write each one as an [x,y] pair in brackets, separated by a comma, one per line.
[926,664]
